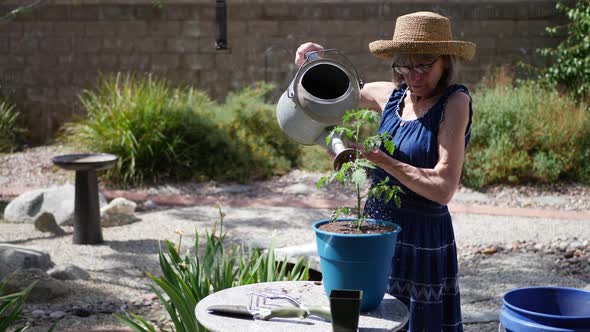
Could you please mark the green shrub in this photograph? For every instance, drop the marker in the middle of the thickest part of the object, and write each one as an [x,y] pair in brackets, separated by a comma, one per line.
[571,58]
[527,133]
[251,124]
[186,280]
[9,133]
[314,158]
[179,133]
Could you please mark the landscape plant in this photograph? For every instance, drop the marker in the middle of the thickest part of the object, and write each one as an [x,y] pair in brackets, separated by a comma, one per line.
[164,132]
[526,132]
[250,124]
[188,279]
[11,306]
[356,173]
[9,132]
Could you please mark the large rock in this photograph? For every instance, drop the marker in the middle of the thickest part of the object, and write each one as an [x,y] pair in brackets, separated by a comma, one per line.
[59,201]
[118,212]
[13,258]
[45,290]
[69,272]
[45,222]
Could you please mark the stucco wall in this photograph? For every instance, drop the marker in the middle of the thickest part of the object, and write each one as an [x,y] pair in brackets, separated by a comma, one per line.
[51,54]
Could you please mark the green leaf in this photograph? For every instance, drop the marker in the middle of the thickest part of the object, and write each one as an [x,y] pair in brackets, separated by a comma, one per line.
[341,175]
[359,177]
[365,163]
[270,263]
[389,146]
[131,319]
[11,306]
[321,182]
[388,195]
[180,304]
[329,137]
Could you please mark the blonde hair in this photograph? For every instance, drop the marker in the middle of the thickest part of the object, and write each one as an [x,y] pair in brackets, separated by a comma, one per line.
[448,77]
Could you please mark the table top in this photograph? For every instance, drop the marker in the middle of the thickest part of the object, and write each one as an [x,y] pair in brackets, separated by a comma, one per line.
[391,315]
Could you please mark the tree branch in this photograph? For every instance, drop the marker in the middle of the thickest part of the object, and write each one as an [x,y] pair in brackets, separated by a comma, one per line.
[22,10]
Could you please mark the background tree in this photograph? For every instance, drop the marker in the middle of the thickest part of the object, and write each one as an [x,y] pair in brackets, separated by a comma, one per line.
[570,66]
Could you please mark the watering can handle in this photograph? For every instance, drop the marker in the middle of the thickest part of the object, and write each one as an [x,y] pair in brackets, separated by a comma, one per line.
[309,56]
[313,55]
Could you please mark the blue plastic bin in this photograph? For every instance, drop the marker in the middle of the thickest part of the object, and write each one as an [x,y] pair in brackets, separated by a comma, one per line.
[546,309]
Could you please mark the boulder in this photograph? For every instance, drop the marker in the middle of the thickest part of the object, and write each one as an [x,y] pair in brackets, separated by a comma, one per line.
[13,258]
[59,201]
[46,289]
[118,212]
[69,272]
[45,222]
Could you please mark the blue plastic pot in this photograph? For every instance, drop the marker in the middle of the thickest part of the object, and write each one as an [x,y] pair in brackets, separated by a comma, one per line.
[546,309]
[357,261]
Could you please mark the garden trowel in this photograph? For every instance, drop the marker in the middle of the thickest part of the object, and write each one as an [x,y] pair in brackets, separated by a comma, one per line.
[260,307]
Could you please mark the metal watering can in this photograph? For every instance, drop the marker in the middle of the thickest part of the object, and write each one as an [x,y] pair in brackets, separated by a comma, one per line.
[323,89]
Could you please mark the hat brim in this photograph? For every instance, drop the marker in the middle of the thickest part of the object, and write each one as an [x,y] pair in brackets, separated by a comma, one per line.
[386,49]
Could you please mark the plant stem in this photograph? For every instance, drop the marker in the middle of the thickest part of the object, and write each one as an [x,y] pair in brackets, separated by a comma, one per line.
[358,187]
[358,202]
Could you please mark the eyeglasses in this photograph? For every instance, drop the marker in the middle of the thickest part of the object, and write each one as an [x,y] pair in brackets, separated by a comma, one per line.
[420,69]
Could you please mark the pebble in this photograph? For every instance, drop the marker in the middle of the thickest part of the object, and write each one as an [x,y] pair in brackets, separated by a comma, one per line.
[57,315]
[490,250]
[149,205]
[81,312]
[38,313]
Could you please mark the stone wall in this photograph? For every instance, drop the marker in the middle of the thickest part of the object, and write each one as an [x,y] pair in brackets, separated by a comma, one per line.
[50,55]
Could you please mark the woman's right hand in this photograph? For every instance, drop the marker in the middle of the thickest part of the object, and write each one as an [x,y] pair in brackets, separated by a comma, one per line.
[303,50]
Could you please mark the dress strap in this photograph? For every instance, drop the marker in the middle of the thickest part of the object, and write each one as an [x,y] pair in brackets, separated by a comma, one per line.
[395,98]
[392,106]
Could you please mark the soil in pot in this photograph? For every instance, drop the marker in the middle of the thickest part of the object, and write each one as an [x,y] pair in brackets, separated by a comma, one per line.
[346,227]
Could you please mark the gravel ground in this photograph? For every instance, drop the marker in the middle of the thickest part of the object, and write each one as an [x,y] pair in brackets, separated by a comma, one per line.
[488,268]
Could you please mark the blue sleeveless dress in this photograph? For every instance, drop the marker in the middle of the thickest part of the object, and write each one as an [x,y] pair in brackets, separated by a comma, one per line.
[424,274]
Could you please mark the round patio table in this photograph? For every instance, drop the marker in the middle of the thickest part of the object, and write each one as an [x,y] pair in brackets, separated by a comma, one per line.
[391,315]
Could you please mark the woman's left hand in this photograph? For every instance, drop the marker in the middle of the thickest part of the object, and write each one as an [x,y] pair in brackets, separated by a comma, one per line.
[376,156]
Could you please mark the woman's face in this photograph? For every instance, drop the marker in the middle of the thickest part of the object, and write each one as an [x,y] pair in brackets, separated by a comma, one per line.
[424,74]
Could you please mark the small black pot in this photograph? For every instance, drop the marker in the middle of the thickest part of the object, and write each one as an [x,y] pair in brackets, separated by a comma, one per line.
[345,307]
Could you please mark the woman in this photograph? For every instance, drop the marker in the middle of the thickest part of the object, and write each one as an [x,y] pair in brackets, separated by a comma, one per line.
[429,118]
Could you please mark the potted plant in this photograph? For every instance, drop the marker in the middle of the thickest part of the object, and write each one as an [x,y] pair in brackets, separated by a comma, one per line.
[356,252]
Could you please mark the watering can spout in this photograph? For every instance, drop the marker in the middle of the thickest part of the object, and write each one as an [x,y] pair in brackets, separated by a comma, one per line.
[323,89]
[341,153]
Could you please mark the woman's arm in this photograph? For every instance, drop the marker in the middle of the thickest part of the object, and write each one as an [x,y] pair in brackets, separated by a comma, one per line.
[439,183]
[375,95]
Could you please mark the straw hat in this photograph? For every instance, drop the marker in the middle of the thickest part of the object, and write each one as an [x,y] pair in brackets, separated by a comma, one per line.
[422,33]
